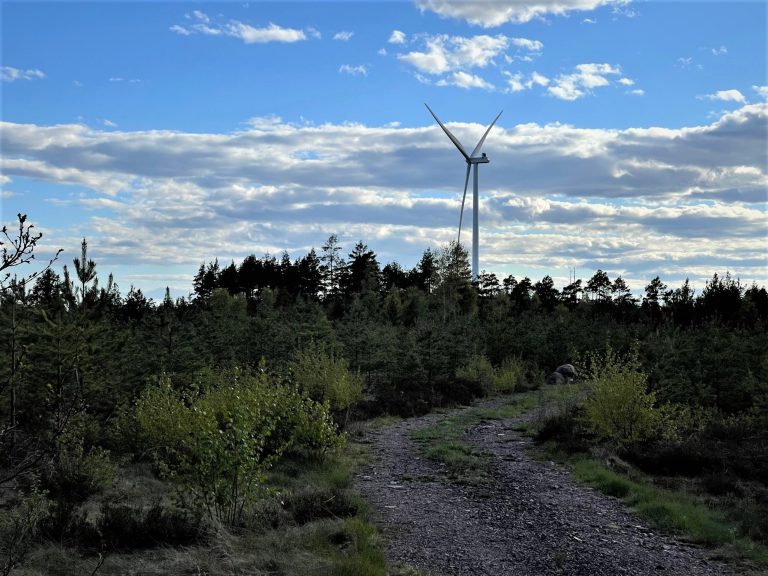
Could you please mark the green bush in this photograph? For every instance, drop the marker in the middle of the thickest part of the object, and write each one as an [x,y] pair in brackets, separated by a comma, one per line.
[478,370]
[619,408]
[507,376]
[326,378]
[217,442]
[20,525]
[78,468]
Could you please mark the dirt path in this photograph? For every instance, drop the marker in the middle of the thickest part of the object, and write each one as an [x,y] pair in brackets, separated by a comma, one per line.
[530,520]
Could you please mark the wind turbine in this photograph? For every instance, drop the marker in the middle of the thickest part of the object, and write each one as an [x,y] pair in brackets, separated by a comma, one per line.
[472,160]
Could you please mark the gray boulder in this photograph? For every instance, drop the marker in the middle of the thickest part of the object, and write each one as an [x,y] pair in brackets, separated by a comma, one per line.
[555,378]
[567,371]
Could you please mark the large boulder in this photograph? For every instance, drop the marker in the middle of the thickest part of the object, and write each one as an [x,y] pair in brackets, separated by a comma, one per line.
[567,371]
[555,378]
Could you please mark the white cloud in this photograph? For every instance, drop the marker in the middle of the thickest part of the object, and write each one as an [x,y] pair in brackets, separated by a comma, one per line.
[11,74]
[637,92]
[530,45]
[725,96]
[202,24]
[465,80]
[445,53]
[499,12]
[109,123]
[397,37]
[360,70]
[580,83]
[719,51]
[343,35]
[382,52]
[589,21]
[626,81]
[198,15]
[762,91]
[517,82]
[180,30]
[270,33]
[651,200]
[118,79]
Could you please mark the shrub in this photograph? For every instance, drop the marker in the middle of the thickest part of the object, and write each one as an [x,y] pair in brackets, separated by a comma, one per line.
[77,470]
[326,378]
[619,408]
[478,370]
[19,526]
[506,377]
[217,442]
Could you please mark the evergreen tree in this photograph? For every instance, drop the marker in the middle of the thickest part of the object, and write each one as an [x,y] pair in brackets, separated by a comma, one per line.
[333,266]
[547,293]
[599,286]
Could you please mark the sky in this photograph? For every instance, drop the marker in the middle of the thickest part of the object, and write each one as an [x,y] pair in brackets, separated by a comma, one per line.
[633,139]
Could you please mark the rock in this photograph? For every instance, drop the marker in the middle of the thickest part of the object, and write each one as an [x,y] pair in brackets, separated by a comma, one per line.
[555,378]
[567,371]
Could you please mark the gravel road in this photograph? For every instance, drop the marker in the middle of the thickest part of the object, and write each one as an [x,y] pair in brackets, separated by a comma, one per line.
[531,519]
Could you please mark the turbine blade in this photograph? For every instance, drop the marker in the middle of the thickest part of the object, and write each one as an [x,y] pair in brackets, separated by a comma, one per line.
[463,198]
[448,133]
[480,144]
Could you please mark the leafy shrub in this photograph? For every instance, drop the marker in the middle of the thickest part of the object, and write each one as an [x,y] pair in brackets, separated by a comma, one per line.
[531,377]
[77,471]
[20,524]
[619,408]
[507,376]
[218,442]
[326,378]
[478,370]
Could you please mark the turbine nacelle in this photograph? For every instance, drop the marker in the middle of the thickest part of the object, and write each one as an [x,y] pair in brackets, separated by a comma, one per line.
[482,160]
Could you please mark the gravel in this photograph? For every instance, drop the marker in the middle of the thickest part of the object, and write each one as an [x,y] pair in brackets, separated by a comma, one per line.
[530,519]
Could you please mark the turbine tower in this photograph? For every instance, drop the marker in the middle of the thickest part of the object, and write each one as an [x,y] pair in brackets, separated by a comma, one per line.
[472,160]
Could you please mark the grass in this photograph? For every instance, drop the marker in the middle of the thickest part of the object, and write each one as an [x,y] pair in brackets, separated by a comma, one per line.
[444,441]
[680,512]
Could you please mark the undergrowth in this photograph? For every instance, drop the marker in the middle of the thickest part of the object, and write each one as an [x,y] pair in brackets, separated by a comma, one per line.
[309,523]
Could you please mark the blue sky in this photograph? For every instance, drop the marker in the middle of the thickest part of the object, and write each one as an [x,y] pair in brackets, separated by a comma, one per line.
[633,137]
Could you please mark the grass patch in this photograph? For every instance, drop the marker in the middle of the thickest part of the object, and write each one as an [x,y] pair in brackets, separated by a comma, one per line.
[445,442]
[680,512]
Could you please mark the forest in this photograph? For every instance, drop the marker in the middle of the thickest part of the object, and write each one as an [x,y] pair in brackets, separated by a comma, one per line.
[270,364]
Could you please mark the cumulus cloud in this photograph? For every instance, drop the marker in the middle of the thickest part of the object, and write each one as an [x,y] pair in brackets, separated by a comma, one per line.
[719,51]
[762,91]
[343,35]
[11,74]
[202,24]
[465,80]
[445,53]
[518,82]
[654,200]
[397,37]
[499,12]
[359,70]
[530,45]
[455,59]
[581,82]
[725,96]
